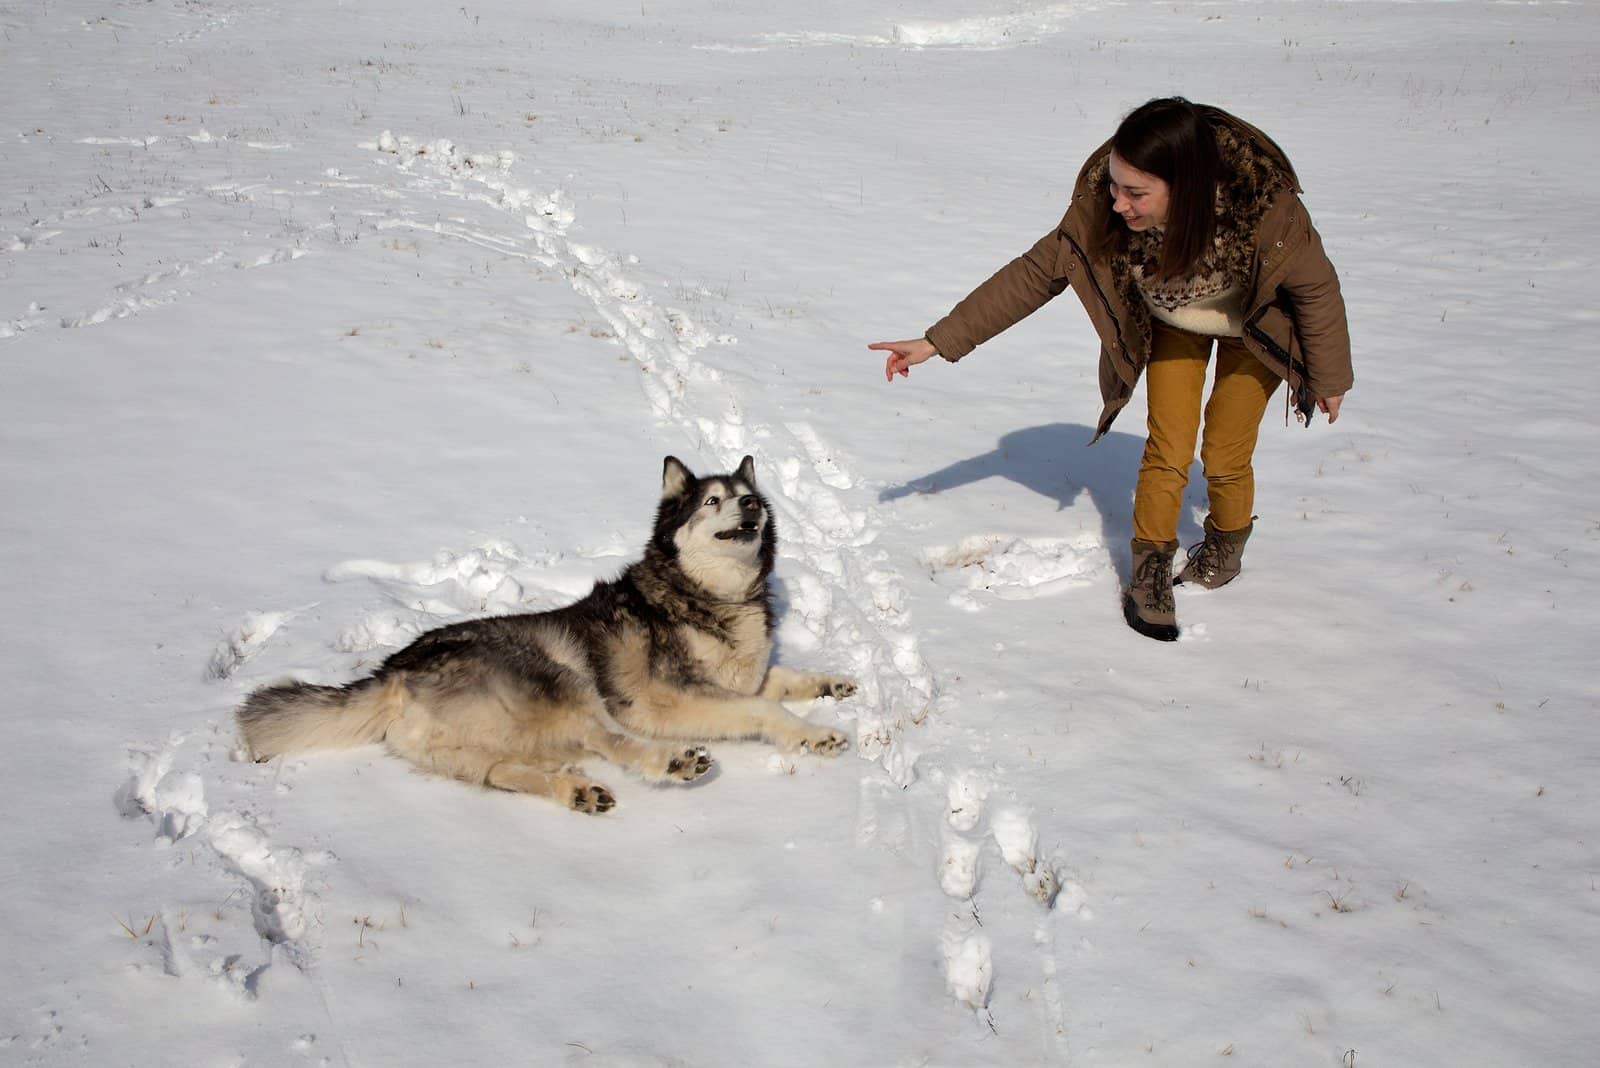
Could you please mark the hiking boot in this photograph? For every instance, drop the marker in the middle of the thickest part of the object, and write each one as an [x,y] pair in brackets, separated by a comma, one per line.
[1215,561]
[1147,604]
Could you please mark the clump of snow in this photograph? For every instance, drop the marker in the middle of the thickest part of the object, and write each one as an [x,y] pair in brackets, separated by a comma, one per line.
[958,868]
[244,641]
[453,583]
[969,967]
[966,796]
[174,799]
[1016,836]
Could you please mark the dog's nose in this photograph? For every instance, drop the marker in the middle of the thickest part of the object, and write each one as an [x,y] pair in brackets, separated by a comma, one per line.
[749,503]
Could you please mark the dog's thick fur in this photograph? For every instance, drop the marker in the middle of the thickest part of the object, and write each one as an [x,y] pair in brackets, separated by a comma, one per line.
[674,650]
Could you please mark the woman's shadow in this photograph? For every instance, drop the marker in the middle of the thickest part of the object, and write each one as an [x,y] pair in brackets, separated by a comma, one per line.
[1052,460]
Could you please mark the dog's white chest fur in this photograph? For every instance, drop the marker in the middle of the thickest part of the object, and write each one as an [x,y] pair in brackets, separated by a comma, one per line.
[739,661]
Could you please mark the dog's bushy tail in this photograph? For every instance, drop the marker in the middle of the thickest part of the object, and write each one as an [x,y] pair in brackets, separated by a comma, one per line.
[291,717]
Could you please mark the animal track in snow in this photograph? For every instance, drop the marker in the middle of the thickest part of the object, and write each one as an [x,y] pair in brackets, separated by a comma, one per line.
[1072,898]
[212,17]
[821,456]
[968,966]
[193,956]
[174,800]
[267,259]
[25,242]
[35,317]
[1014,833]
[276,877]
[120,308]
[147,292]
[660,340]
[173,797]
[958,867]
[98,220]
[244,641]
[964,812]
[48,1035]
[966,798]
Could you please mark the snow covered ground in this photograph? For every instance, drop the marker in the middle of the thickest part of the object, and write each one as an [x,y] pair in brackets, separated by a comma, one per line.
[321,324]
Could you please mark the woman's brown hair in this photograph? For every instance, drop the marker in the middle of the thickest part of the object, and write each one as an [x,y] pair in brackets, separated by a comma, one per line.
[1172,139]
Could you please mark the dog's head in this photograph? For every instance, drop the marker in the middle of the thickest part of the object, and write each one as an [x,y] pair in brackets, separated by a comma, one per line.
[718,528]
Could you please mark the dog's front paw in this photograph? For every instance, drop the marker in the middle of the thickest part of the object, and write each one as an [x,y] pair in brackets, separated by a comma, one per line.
[592,798]
[836,686]
[689,764]
[826,742]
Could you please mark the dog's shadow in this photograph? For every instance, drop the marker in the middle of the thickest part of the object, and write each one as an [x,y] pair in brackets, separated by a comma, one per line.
[1053,461]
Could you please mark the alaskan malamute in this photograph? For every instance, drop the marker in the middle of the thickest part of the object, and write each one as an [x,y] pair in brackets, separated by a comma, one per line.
[674,650]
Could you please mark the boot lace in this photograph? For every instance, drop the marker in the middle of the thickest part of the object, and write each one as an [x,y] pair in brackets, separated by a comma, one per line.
[1154,575]
[1207,556]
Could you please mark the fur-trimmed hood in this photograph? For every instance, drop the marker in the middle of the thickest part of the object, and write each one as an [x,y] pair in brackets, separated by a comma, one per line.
[1255,172]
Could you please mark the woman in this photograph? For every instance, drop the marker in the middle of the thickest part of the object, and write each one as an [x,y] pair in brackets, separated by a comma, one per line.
[1184,230]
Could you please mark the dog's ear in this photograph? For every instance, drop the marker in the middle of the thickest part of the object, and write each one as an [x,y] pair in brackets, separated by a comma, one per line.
[675,478]
[747,471]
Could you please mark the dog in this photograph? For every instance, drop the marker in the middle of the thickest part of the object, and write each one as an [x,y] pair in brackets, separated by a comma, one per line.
[675,650]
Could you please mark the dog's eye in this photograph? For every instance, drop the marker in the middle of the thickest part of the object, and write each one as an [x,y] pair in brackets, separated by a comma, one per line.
[713,501]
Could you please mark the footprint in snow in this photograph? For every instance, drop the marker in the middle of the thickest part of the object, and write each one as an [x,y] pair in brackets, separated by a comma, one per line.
[958,867]
[822,456]
[1014,833]
[174,800]
[242,642]
[966,799]
[968,966]
[1011,569]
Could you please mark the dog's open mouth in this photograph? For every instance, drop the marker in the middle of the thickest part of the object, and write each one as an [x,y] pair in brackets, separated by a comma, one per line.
[749,530]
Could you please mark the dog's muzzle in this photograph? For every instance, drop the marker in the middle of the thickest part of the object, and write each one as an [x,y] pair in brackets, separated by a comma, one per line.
[749,524]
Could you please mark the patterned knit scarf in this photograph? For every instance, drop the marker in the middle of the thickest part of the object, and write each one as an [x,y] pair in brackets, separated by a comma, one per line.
[1207,279]
[1251,180]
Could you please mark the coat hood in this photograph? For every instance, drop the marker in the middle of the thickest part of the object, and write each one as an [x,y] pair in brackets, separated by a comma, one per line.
[1255,172]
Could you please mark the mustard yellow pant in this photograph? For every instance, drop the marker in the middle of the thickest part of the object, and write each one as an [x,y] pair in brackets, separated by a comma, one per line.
[1175,380]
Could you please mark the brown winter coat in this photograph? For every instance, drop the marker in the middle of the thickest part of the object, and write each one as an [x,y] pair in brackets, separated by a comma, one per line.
[1293,312]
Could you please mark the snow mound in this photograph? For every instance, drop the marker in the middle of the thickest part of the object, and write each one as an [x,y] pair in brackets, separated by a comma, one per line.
[1012,569]
[969,967]
[986,32]
[451,584]
[244,641]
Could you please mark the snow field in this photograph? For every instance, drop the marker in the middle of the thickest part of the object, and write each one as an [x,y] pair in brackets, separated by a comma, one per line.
[323,327]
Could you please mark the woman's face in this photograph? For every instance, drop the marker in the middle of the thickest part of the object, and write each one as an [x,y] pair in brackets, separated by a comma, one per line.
[1140,198]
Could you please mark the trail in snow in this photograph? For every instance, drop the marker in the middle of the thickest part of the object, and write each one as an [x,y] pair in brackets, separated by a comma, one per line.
[96,220]
[271,878]
[846,596]
[827,544]
[845,588]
